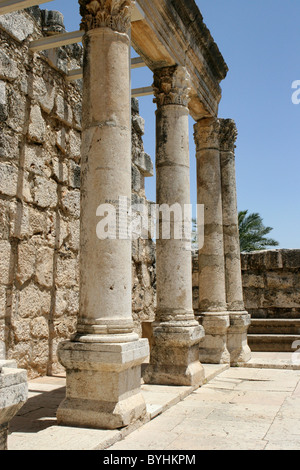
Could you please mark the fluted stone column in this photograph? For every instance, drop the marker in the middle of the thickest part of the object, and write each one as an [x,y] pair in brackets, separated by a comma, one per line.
[103,359]
[175,353]
[239,319]
[212,294]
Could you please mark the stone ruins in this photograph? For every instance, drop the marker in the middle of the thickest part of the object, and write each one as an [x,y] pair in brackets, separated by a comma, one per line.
[71,140]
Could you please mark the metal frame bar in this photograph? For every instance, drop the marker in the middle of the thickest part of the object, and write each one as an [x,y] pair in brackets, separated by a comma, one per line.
[8,6]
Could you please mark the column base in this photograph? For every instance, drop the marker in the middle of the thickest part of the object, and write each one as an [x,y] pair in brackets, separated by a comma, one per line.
[213,348]
[13,395]
[174,356]
[237,337]
[103,384]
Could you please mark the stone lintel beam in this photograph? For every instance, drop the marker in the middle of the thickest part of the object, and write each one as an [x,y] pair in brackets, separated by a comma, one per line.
[174,33]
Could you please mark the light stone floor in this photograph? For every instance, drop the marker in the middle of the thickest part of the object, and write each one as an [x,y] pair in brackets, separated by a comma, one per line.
[240,408]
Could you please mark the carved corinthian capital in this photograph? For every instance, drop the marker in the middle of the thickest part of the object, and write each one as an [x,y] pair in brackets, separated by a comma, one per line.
[114,14]
[207,133]
[228,135]
[171,86]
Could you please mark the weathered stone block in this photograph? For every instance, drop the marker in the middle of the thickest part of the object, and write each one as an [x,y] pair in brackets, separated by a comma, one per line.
[71,202]
[74,234]
[16,118]
[4,219]
[13,395]
[44,266]
[63,110]
[26,261]
[2,306]
[9,145]
[291,259]
[67,302]
[136,183]
[21,329]
[138,124]
[144,163]
[37,125]
[253,280]
[278,280]
[39,328]
[52,21]
[74,144]
[8,179]
[6,261]
[74,175]
[17,25]
[45,192]
[67,272]
[59,170]
[44,93]
[26,221]
[35,160]
[8,67]
[31,302]
[3,102]
[62,139]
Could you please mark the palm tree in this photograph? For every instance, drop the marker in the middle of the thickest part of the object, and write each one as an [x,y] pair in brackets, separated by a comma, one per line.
[253,232]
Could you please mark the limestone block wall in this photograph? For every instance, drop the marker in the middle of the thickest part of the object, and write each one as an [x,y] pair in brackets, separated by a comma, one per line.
[40,138]
[271,283]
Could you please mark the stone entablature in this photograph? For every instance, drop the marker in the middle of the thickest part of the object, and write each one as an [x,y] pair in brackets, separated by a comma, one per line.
[174,33]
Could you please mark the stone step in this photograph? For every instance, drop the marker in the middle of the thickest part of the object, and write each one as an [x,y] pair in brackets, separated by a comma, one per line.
[290,326]
[273,342]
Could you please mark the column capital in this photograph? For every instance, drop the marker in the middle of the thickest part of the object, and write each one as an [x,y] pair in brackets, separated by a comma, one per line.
[228,135]
[207,133]
[113,14]
[171,86]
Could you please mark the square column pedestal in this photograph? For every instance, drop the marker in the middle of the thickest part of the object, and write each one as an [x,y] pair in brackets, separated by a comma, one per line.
[175,356]
[103,384]
[213,349]
[13,395]
[237,339]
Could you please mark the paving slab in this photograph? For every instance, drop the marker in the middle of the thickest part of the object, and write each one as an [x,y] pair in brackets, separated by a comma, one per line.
[35,426]
[239,408]
[274,360]
[230,417]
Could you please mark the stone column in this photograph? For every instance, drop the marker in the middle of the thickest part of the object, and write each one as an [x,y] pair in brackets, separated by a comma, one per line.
[239,318]
[175,353]
[212,295]
[103,360]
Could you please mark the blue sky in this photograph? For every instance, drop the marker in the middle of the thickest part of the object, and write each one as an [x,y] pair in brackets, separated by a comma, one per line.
[260,42]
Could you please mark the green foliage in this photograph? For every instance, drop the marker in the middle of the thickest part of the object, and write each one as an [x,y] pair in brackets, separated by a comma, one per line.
[253,233]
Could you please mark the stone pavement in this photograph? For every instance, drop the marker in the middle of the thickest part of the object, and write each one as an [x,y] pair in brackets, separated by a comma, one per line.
[254,407]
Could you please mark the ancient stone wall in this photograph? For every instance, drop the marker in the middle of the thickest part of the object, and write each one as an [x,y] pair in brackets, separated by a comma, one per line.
[40,137]
[271,283]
